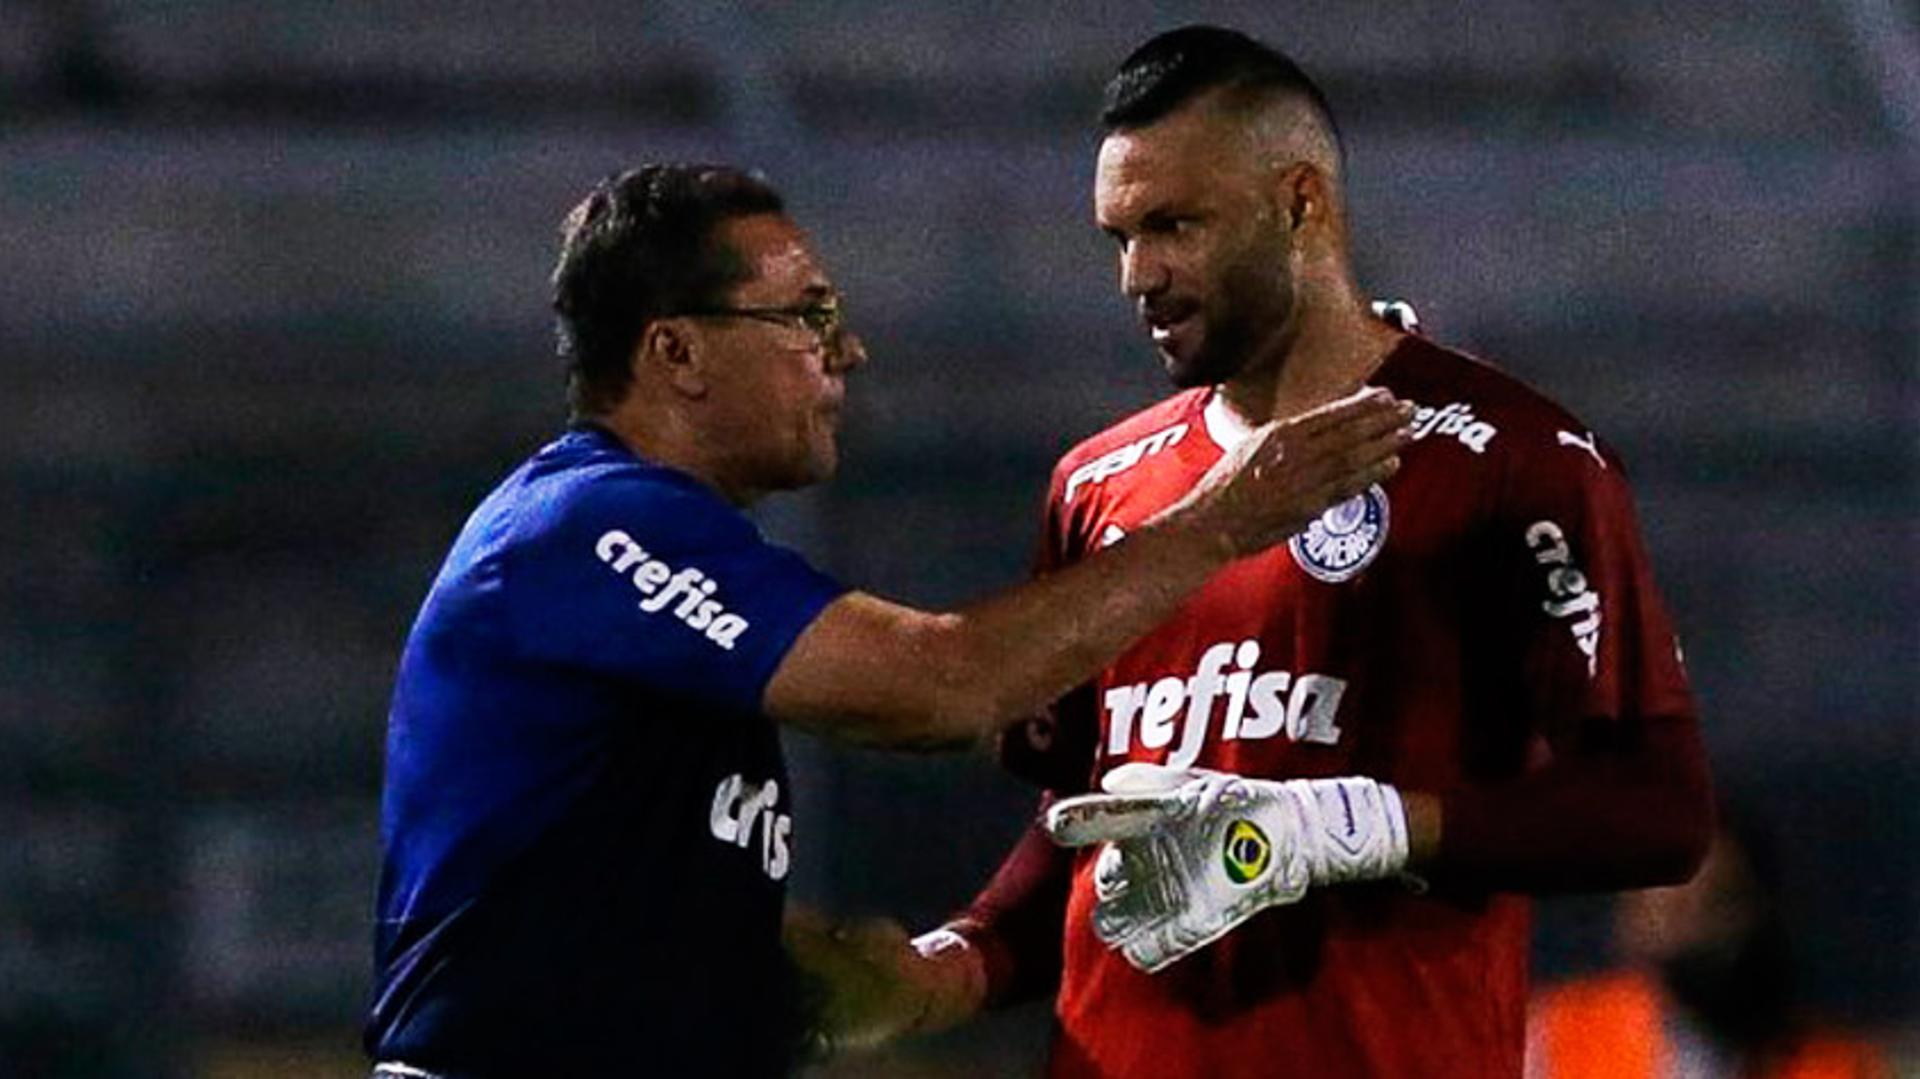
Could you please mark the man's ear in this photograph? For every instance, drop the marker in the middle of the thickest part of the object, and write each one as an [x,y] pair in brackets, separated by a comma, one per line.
[674,355]
[1304,196]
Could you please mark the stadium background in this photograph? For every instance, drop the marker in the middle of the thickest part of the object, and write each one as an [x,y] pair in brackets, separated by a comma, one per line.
[272,317]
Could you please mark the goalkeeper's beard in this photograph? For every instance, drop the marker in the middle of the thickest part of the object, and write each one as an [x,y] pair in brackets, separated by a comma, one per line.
[1250,318]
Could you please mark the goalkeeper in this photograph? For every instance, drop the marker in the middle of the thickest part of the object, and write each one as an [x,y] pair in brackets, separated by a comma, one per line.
[1330,781]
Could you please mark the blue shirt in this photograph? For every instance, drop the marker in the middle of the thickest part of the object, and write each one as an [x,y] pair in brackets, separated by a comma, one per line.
[587,817]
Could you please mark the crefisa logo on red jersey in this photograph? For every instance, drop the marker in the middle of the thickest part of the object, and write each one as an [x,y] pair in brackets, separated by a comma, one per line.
[1259,704]
[1344,540]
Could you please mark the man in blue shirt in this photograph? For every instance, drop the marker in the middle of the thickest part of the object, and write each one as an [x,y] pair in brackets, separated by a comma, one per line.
[587,820]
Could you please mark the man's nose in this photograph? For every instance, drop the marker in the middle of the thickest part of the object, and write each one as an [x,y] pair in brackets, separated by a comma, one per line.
[850,352]
[1140,273]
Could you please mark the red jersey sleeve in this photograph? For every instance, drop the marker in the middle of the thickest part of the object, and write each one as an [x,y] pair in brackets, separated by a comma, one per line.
[1018,919]
[1619,795]
[1596,640]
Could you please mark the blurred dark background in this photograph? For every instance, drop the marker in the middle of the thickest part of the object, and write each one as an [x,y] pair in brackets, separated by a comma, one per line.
[272,318]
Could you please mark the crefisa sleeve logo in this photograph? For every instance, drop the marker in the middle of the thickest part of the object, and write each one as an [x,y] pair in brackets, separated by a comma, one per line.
[687,590]
[1344,540]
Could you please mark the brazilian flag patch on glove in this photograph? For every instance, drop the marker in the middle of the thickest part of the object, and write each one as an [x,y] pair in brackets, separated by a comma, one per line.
[1246,853]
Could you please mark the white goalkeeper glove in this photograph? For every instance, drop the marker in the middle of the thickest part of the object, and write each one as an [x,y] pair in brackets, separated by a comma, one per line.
[1189,854]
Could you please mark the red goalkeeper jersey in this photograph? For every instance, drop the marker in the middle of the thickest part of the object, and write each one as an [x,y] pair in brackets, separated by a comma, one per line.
[1442,631]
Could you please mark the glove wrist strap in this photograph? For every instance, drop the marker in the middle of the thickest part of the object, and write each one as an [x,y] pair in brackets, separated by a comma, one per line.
[1360,832]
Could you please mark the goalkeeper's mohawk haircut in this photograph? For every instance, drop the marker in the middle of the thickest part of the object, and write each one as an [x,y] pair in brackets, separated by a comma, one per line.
[1180,65]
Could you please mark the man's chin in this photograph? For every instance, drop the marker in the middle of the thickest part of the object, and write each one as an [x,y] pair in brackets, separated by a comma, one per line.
[816,469]
[821,465]
[1193,367]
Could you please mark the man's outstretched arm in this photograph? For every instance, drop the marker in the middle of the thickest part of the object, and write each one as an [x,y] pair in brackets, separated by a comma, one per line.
[879,672]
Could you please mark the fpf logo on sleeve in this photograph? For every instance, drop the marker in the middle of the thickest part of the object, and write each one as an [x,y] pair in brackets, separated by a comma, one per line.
[1258,705]
[1568,595]
[1108,465]
[739,807]
[661,584]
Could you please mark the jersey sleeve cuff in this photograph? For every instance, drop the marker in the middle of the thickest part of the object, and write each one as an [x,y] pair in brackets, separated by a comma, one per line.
[998,960]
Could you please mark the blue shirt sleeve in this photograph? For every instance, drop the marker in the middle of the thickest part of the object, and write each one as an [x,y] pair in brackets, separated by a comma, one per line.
[645,576]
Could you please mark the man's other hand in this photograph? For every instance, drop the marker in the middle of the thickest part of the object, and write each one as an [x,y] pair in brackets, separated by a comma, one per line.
[879,984]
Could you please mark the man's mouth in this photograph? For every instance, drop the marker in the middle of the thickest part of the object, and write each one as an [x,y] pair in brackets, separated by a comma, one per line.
[1165,325]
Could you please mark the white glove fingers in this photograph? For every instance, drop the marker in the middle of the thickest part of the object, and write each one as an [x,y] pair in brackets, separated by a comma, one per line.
[1103,818]
[1110,879]
[1134,888]
[1158,947]
[1149,952]
[1140,777]
[1119,920]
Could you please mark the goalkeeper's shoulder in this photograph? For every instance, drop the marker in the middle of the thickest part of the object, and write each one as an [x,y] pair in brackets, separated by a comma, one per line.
[1145,433]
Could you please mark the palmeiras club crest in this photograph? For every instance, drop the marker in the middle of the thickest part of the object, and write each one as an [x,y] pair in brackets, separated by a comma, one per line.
[1344,540]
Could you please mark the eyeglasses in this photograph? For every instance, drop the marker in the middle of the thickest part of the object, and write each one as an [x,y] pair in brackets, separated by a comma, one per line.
[822,318]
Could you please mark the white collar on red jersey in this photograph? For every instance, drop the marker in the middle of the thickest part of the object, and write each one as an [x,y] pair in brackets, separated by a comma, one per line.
[1224,425]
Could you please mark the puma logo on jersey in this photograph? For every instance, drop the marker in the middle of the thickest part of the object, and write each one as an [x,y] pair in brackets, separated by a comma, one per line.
[1589,444]
[662,584]
[1258,704]
[740,809]
[1108,465]
[1568,595]
[1454,420]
